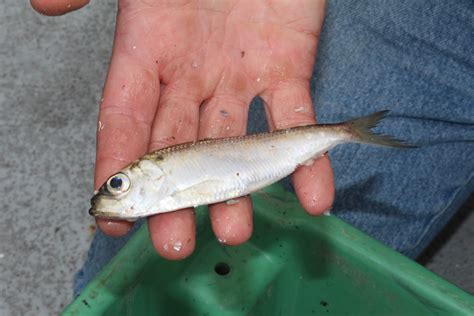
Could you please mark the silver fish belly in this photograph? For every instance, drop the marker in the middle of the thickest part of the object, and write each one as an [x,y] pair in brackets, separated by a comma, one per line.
[217,170]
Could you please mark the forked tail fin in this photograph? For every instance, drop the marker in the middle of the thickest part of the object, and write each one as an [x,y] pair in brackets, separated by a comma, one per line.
[360,129]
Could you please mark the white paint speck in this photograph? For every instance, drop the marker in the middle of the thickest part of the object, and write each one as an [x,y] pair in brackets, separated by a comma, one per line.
[222,240]
[299,109]
[100,126]
[194,64]
[177,246]
[327,213]
[165,247]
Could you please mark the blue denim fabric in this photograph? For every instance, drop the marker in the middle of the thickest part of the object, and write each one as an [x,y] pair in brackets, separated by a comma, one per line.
[415,58]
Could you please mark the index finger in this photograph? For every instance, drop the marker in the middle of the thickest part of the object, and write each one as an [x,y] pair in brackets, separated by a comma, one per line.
[129,102]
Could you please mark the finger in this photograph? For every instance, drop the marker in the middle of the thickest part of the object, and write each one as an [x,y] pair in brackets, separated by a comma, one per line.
[173,234]
[57,7]
[177,117]
[129,102]
[314,186]
[289,104]
[232,223]
[225,114]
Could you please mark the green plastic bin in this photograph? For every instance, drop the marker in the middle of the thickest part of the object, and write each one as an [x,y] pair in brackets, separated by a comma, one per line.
[293,265]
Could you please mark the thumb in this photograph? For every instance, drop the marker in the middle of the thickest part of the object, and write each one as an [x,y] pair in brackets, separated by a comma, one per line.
[57,7]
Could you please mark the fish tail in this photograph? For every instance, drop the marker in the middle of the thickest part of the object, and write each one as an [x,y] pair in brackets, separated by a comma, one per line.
[361,131]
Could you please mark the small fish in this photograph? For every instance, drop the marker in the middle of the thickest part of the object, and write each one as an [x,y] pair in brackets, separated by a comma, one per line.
[210,171]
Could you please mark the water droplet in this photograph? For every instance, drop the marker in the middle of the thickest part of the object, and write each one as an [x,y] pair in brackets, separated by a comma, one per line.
[194,64]
[134,47]
[258,79]
[227,128]
[222,240]
[165,247]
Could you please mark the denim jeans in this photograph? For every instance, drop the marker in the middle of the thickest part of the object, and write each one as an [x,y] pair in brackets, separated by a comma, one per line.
[415,58]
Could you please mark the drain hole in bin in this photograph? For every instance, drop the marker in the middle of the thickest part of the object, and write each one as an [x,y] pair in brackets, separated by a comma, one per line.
[222,268]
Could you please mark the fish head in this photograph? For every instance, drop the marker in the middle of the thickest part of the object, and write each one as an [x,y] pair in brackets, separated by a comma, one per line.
[129,193]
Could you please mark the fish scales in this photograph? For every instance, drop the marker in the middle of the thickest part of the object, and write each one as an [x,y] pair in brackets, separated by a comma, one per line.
[242,165]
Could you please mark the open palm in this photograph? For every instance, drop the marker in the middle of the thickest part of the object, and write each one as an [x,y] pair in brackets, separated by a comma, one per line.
[189,70]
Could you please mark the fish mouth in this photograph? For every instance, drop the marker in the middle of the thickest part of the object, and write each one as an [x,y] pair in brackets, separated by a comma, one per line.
[109,215]
[96,206]
[102,214]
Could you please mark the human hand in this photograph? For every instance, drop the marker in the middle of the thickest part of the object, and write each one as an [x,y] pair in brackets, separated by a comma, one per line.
[185,70]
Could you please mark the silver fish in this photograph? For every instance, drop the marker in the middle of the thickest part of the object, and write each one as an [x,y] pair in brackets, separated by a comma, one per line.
[210,171]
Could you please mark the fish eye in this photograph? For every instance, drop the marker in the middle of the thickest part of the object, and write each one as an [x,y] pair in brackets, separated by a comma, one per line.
[118,183]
